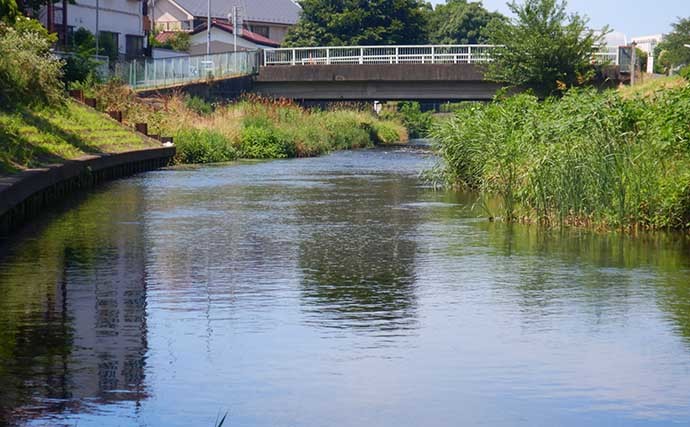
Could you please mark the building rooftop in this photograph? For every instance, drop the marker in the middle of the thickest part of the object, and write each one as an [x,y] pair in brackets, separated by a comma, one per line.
[268,11]
[246,34]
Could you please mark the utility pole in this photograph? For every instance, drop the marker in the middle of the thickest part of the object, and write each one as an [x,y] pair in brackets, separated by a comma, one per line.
[64,24]
[208,30]
[633,63]
[234,28]
[98,33]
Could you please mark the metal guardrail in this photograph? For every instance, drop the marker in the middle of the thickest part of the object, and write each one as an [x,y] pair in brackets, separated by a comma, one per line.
[437,54]
[153,73]
[422,54]
[607,54]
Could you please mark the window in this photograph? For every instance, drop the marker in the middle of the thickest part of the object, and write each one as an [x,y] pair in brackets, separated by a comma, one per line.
[108,45]
[135,46]
[262,30]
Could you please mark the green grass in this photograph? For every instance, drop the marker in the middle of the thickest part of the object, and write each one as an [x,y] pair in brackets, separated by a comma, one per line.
[36,137]
[604,160]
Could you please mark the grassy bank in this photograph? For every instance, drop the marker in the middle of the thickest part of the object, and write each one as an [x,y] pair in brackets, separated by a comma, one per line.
[589,159]
[35,136]
[251,128]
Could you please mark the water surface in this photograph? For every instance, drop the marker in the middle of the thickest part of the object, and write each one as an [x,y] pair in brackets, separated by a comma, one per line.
[334,291]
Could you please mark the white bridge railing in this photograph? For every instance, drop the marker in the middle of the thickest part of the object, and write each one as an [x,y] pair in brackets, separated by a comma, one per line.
[421,54]
[438,54]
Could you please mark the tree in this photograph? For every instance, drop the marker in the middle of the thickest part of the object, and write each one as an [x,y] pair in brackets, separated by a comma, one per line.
[460,22]
[671,52]
[543,47]
[8,11]
[359,22]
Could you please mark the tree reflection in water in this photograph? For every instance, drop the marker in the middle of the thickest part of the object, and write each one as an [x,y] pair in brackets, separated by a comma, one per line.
[366,280]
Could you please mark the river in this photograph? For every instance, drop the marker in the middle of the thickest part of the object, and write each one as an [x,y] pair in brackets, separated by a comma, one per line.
[333,291]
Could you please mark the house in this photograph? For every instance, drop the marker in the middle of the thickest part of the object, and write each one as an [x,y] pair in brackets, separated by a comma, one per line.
[125,22]
[222,39]
[268,18]
[648,44]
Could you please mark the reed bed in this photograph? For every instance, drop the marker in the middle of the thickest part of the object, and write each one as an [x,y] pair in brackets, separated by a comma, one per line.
[588,159]
[252,127]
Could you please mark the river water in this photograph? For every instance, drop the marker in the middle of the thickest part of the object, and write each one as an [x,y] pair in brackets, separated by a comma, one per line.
[333,291]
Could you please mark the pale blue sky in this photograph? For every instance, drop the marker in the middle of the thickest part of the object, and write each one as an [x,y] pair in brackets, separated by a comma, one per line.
[632,17]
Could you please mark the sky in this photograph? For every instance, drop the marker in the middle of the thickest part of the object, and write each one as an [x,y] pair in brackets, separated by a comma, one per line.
[632,17]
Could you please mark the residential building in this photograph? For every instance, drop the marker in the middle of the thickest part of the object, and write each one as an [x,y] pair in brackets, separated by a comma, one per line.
[124,21]
[222,39]
[268,18]
[647,44]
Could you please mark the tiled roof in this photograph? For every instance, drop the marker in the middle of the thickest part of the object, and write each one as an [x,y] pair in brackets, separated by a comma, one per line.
[246,34]
[269,11]
[164,36]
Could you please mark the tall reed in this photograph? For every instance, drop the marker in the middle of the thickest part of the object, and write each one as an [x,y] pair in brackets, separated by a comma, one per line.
[587,159]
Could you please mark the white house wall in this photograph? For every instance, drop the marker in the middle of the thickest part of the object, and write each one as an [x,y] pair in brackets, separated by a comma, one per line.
[119,16]
[167,16]
[221,41]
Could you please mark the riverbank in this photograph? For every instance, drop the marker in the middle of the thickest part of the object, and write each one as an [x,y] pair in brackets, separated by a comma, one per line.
[34,137]
[613,159]
[252,128]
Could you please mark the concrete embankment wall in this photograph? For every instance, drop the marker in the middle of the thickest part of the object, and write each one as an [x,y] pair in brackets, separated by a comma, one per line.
[24,195]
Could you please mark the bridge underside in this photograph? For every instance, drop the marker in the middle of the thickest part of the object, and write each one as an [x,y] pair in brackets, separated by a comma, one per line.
[382,82]
[378,91]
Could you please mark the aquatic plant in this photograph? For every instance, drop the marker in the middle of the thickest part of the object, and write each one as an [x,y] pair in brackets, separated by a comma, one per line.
[589,158]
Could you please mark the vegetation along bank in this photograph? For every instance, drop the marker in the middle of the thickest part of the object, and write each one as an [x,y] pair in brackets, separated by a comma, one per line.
[619,158]
[254,128]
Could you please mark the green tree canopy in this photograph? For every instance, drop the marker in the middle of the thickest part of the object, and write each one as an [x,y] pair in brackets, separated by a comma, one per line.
[8,11]
[671,52]
[543,47]
[460,22]
[359,22]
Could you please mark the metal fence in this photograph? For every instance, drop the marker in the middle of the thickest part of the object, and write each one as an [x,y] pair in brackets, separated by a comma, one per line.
[423,54]
[102,62]
[153,73]
[438,54]
[607,55]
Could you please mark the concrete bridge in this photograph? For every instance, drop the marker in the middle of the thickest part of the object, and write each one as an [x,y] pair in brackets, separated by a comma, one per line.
[349,73]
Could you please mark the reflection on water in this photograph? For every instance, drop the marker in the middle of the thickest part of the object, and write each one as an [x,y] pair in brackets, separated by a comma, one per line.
[334,291]
[73,312]
[357,255]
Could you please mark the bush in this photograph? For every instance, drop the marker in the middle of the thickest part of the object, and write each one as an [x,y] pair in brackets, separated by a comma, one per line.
[198,105]
[265,143]
[416,122]
[203,146]
[29,73]
[685,72]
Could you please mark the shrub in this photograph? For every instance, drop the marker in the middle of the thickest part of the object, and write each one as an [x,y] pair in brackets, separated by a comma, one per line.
[265,143]
[198,105]
[685,72]
[416,122]
[29,73]
[203,146]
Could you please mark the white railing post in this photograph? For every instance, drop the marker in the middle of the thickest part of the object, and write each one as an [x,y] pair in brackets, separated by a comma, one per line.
[361,55]
[469,54]
[294,56]
[397,55]
[328,56]
[265,57]
[433,55]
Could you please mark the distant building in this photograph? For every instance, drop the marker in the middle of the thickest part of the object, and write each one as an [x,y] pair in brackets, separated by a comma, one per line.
[648,44]
[124,21]
[267,18]
[222,39]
